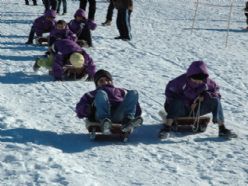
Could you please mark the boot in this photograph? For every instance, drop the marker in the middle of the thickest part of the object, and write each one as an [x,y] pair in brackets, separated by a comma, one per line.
[226,133]
[106,23]
[106,126]
[129,124]
[165,132]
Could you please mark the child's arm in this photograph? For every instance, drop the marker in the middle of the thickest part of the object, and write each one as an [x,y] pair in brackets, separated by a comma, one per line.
[84,106]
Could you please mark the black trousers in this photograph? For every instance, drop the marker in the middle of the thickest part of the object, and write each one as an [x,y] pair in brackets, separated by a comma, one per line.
[110,11]
[64,6]
[34,2]
[246,15]
[92,7]
[85,35]
[123,23]
[50,3]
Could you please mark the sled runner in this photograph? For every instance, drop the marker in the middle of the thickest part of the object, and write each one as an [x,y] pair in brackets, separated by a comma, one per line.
[41,41]
[188,124]
[95,131]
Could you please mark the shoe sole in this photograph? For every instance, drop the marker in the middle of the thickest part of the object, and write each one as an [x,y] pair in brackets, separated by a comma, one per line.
[136,123]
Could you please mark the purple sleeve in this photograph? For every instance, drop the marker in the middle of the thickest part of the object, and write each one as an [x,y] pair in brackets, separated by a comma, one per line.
[83,107]
[91,24]
[38,26]
[58,67]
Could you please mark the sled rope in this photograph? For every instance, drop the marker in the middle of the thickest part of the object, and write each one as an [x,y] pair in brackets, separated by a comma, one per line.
[196,115]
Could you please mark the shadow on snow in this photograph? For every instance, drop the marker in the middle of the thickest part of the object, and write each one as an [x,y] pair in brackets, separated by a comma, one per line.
[22,78]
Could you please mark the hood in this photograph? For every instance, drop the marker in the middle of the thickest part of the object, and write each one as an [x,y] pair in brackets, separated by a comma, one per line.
[80,13]
[197,67]
[50,13]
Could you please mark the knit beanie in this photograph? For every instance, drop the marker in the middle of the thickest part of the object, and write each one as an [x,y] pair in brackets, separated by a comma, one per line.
[102,73]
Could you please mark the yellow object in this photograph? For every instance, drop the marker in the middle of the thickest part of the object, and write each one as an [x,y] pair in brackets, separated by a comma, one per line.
[77,60]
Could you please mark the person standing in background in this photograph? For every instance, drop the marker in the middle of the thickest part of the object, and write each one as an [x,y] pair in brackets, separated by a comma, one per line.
[109,14]
[92,8]
[64,2]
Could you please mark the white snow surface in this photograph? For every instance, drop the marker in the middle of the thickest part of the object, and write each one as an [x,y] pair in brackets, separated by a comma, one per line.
[42,142]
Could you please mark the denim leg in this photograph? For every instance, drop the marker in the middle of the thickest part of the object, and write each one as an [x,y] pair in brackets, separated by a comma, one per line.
[102,105]
[177,109]
[127,108]
[213,105]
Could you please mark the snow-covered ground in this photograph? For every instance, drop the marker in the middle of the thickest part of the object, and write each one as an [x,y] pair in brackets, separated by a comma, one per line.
[42,142]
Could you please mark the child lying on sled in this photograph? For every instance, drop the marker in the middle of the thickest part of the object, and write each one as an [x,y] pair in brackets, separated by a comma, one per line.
[107,104]
[68,61]
[186,91]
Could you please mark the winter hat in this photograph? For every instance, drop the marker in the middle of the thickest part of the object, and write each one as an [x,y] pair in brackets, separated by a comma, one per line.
[80,13]
[50,13]
[77,60]
[102,73]
[199,76]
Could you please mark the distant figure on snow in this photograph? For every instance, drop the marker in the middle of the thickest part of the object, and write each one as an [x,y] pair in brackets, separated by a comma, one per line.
[125,8]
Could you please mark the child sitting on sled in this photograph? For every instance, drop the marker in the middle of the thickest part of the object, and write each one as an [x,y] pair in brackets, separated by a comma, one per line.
[81,26]
[186,91]
[107,104]
[61,31]
[68,61]
[41,25]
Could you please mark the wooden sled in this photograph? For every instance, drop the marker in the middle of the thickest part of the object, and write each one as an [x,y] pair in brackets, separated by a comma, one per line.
[188,124]
[95,132]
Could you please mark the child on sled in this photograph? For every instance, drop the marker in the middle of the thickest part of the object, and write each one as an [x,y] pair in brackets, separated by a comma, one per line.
[61,31]
[107,104]
[68,61]
[186,91]
[81,26]
[41,25]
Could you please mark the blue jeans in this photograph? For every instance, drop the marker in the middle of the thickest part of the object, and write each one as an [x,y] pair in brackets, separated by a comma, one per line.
[126,109]
[177,108]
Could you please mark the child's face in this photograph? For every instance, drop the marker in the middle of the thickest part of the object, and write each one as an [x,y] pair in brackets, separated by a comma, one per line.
[79,18]
[196,81]
[103,81]
[49,18]
[60,26]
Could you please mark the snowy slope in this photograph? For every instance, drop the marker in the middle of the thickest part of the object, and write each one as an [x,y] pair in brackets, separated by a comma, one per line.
[42,142]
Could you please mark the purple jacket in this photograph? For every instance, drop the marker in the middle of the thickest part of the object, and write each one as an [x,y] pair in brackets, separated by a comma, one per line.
[63,49]
[115,95]
[42,25]
[182,88]
[77,26]
[56,34]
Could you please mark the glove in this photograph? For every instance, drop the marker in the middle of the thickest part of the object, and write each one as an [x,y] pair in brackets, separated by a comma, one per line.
[82,25]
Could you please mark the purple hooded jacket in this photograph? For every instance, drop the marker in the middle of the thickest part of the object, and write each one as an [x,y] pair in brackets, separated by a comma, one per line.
[42,25]
[77,26]
[182,88]
[115,95]
[57,34]
[63,49]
